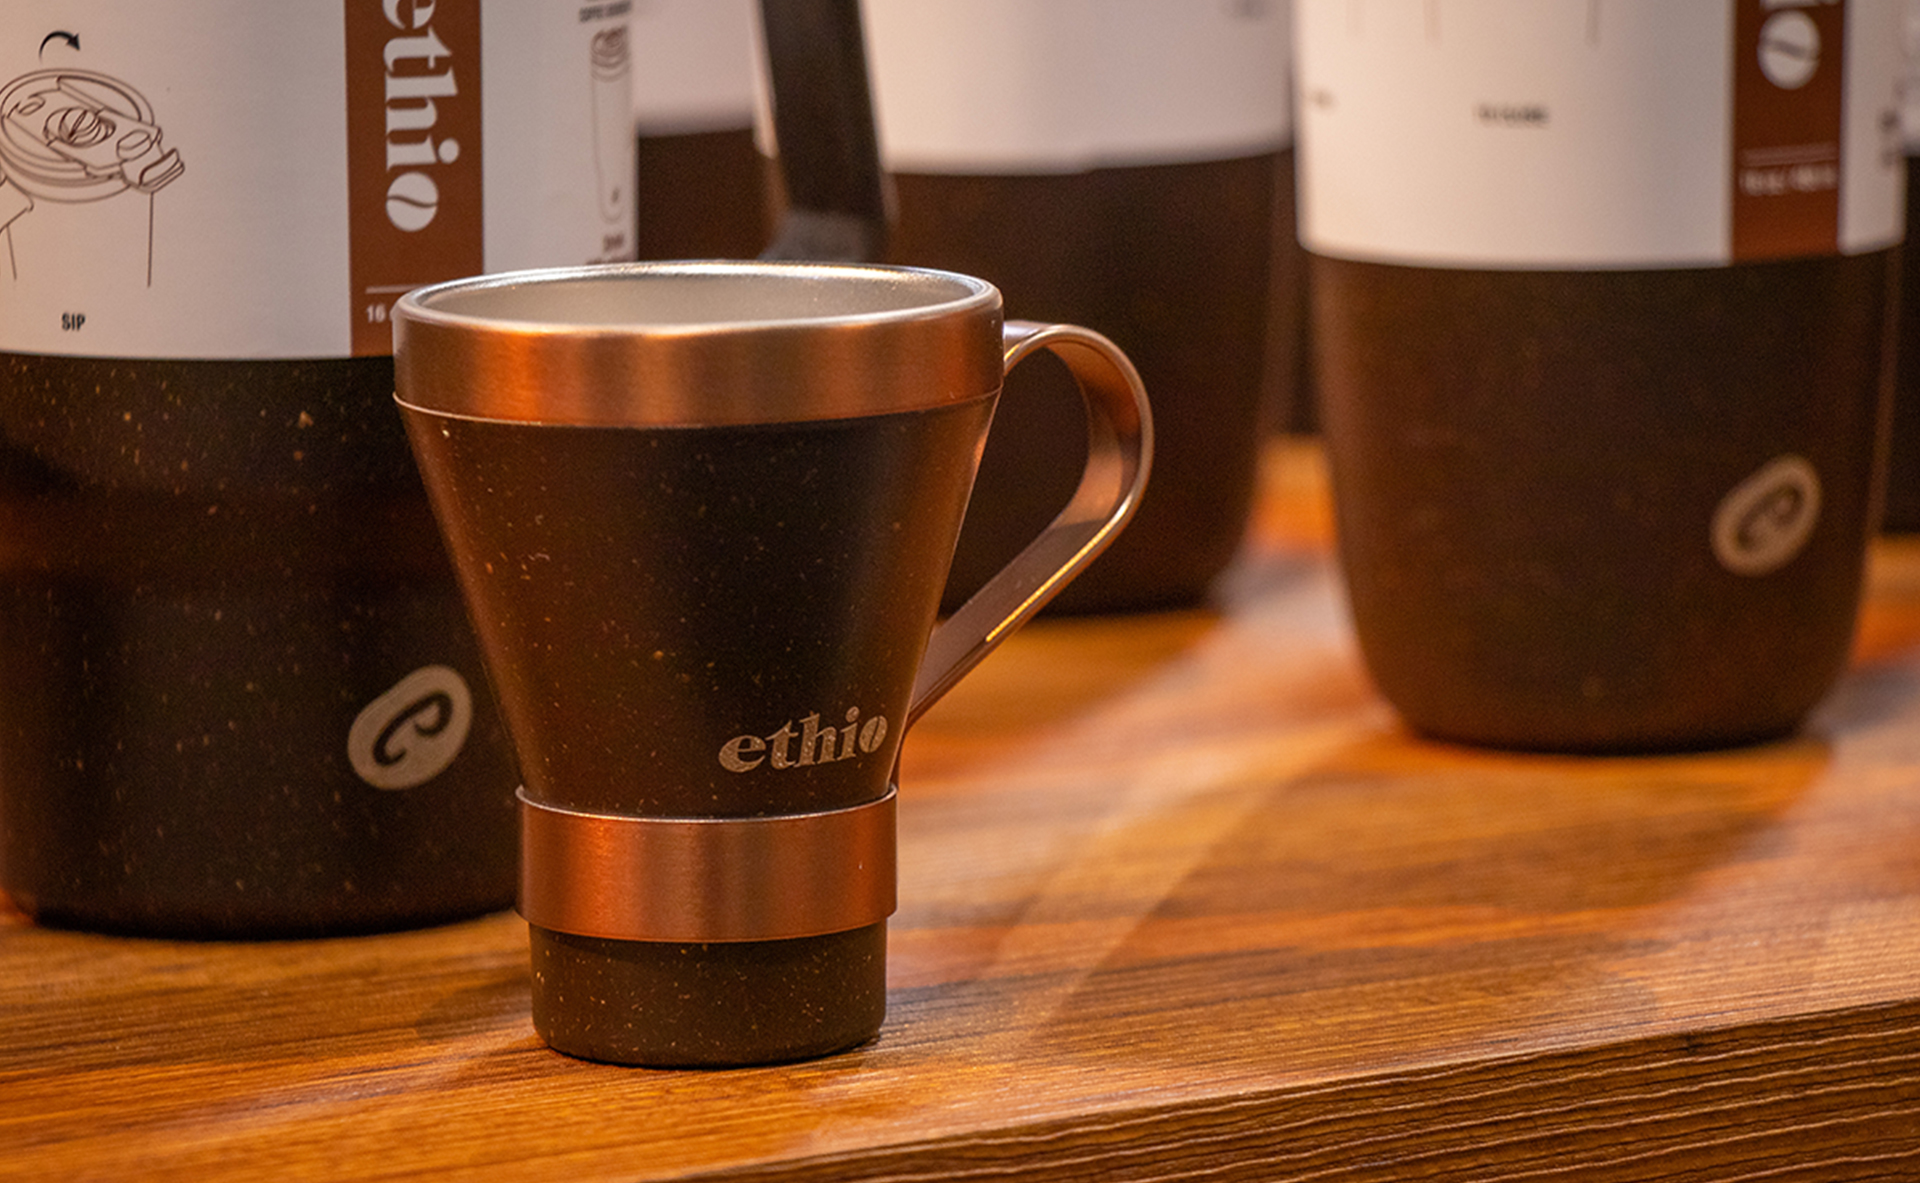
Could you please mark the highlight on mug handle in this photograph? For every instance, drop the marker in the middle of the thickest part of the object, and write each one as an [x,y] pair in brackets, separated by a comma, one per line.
[1119,457]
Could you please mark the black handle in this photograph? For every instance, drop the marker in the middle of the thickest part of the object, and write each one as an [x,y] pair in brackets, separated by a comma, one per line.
[829,155]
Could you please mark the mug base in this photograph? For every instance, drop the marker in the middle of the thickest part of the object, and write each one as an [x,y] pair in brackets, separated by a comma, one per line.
[716,1005]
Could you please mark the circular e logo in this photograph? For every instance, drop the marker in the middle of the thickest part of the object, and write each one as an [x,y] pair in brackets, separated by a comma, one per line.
[1789,49]
[409,735]
[1765,520]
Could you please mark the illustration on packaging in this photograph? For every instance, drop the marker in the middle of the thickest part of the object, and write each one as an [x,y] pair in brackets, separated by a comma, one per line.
[611,68]
[75,136]
[225,179]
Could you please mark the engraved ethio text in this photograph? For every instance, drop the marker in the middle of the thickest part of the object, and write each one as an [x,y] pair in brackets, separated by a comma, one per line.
[808,745]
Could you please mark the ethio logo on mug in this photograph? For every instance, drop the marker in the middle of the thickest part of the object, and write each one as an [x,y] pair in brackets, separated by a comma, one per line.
[817,744]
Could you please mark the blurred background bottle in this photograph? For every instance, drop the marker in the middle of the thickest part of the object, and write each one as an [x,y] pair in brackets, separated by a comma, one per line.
[238,692]
[1602,299]
[1119,164]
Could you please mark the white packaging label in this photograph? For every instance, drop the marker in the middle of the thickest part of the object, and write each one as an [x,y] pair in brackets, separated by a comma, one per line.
[1056,86]
[235,179]
[1598,133]
[693,65]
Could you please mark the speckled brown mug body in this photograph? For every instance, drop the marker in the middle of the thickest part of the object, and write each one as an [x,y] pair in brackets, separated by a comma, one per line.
[702,515]
[240,695]
[1607,511]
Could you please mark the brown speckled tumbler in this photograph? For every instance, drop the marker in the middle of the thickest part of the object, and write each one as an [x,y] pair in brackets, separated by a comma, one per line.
[702,514]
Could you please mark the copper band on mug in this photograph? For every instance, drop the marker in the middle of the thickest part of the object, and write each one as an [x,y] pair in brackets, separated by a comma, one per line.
[706,879]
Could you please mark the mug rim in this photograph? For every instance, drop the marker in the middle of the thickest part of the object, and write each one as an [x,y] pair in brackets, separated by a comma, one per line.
[424,304]
[826,341]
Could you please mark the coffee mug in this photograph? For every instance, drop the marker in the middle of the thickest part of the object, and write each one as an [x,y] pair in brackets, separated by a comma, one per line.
[702,514]
[1603,372]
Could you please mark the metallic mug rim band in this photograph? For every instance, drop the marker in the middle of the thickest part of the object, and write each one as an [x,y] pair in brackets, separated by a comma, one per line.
[697,880]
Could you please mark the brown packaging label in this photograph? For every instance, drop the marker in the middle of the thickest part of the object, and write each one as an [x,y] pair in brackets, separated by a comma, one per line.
[413,154]
[1787,127]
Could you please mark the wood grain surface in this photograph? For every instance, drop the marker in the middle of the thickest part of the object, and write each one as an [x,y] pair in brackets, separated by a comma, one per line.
[1180,900]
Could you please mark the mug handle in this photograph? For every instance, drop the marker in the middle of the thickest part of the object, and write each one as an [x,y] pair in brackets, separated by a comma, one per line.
[1119,456]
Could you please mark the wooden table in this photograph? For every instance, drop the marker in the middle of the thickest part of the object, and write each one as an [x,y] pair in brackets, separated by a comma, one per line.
[1179,900]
